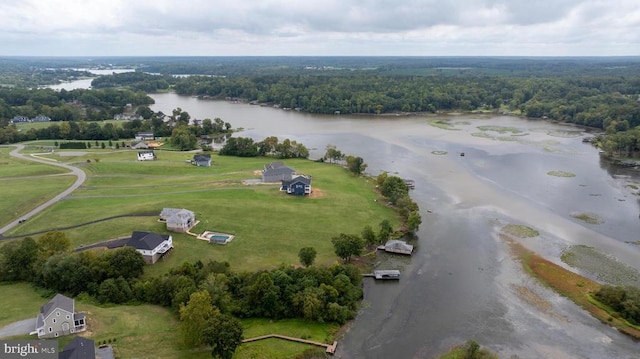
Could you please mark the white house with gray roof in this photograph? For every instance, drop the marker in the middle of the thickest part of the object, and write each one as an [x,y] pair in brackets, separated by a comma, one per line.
[58,318]
[178,219]
[152,246]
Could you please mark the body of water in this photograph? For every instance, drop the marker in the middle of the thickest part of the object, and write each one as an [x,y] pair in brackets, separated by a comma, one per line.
[461,283]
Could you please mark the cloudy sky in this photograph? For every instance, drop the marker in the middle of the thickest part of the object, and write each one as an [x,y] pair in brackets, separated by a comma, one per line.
[319,27]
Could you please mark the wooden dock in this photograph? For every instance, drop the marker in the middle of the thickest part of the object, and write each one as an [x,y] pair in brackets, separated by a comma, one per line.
[411,184]
[384,274]
[330,348]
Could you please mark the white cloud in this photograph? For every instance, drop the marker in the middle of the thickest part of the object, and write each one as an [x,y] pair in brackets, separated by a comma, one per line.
[329,27]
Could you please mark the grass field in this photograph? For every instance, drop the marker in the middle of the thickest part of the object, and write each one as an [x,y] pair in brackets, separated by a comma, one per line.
[270,226]
[149,331]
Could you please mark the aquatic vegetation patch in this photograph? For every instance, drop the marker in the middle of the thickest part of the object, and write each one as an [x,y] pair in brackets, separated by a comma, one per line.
[443,124]
[520,231]
[604,267]
[561,174]
[565,133]
[590,218]
[500,129]
[483,135]
[439,153]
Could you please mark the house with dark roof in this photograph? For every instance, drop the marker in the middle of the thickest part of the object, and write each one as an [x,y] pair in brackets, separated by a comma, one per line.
[19,118]
[178,219]
[79,348]
[152,246]
[276,172]
[58,317]
[202,159]
[299,185]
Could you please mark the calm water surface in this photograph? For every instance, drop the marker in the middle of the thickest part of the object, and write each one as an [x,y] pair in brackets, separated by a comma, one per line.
[461,282]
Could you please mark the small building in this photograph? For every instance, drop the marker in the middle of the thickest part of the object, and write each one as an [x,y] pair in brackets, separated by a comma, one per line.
[299,185]
[396,246]
[19,119]
[79,348]
[152,246]
[141,136]
[276,172]
[202,159]
[139,145]
[58,317]
[146,156]
[178,219]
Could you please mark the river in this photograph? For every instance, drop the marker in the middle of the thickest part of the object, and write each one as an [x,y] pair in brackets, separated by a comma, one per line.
[461,283]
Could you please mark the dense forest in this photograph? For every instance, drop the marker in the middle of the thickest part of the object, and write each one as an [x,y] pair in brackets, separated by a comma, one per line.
[596,92]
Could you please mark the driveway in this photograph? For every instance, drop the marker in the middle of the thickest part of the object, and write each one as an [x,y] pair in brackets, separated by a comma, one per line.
[81,176]
[18,328]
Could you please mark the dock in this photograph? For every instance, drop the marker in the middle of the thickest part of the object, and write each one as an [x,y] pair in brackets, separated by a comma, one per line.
[384,274]
[411,184]
[330,348]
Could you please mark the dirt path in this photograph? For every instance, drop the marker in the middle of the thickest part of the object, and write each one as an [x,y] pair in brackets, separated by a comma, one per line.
[81,176]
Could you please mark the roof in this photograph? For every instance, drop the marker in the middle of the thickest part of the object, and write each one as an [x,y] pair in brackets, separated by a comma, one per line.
[202,157]
[79,348]
[146,240]
[278,171]
[301,178]
[59,301]
[273,165]
[398,246]
[177,215]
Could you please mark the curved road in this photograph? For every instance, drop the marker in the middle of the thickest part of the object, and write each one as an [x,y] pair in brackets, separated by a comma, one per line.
[81,176]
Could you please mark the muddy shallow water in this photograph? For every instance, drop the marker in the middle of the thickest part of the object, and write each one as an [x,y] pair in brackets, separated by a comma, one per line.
[461,283]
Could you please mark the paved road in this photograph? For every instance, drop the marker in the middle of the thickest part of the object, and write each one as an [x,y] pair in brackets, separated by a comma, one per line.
[76,171]
[18,328]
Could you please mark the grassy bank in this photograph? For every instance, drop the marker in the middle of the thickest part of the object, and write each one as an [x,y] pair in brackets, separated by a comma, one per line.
[270,226]
[570,285]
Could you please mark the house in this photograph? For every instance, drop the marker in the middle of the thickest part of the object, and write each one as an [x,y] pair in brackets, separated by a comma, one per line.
[396,246]
[152,246]
[146,156]
[202,159]
[277,171]
[79,348]
[178,219]
[18,119]
[141,136]
[41,118]
[139,145]
[299,185]
[58,317]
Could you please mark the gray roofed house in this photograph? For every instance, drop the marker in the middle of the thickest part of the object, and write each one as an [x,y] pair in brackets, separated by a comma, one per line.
[202,159]
[57,317]
[141,136]
[178,219]
[299,185]
[152,246]
[79,348]
[276,172]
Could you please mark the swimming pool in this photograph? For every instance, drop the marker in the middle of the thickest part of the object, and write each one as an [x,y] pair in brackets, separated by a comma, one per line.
[219,238]
[216,237]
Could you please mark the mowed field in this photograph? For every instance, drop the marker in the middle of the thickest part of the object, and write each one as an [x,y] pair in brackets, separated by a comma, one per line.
[269,226]
[25,184]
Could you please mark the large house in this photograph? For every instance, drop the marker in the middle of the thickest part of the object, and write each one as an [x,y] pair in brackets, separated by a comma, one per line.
[299,185]
[277,171]
[178,219]
[146,156]
[79,348]
[142,136]
[20,118]
[152,246]
[58,317]
[202,159]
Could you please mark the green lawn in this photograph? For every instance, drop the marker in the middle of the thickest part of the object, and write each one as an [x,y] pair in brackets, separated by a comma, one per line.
[19,301]
[270,226]
[11,167]
[149,331]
